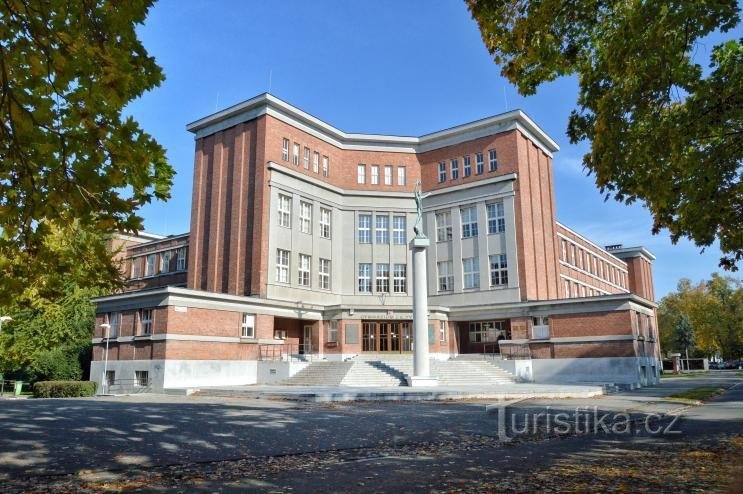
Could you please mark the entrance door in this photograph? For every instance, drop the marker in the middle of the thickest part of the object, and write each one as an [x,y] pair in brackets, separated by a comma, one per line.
[407,337]
[307,340]
[384,336]
[395,337]
[369,340]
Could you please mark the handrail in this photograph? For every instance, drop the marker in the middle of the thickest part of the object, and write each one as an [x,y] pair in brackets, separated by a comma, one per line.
[514,351]
[284,352]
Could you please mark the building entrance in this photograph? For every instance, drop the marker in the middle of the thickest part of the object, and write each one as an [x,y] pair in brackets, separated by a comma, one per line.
[387,336]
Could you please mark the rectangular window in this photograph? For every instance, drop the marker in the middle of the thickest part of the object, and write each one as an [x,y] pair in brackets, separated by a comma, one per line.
[305,217]
[114,319]
[575,290]
[150,265]
[110,378]
[387,175]
[496,217]
[333,332]
[564,254]
[365,283]
[375,174]
[383,278]
[145,321]
[180,263]
[442,172]
[601,269]
[486,331]
[398,230]
[304,270]
[382,230]
[493,160]
[136,267]
[285,149]
[285,211]
[325,166]
[399,278]
[316,162]
[141,379]
[247,327]
[165,262]
[469,221]
[498,270]
[295,154]
[443,226]
[567,289]
[324,274]
[282,266]
[401,175]
[479,164]
[325,223]
[361,177]
[572,254]
[442,331]
[471,271]
[365,228]
[306,160]
[446,275]
[466,166]
[454,169]
[580,258]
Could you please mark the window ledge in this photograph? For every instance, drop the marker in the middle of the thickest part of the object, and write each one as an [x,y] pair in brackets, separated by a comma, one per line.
[248,340]
[142,336]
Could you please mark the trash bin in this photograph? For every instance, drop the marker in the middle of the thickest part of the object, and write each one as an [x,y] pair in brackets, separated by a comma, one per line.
[18,387]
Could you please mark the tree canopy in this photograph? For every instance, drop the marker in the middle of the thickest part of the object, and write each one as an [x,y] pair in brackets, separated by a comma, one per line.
[661,130]
[70,159]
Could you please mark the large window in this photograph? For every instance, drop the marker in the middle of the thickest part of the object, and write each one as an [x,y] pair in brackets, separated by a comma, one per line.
[325,223]
[471,271]
[285,211]
[493,159]
[282,266]
[365,282]
[361,174]
[401,178]
[564,252]
[375,174]
[150,265]
[566,287]
[165,261]
[469,221]
[141,379]
[383,278]
[333,332]
[325,166]
[295,154]
[398,230]
[487,331]
[304,269]
[572,254]
[145,321]
[498,270]
[180,262]
[247,327]
[446,275]
[365,228]
[306,160]
[399,278]
[442,331]
[442,172]
[136,267]
[466,166]
[316,162]
[443,226]
[387,175]
[305,217]
[114,319]
[324,274]
[285,149]
[496,217]
[479,164]
[382,230]
[454,169]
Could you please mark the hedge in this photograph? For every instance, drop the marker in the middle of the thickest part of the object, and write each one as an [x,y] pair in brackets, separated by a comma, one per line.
[64,389]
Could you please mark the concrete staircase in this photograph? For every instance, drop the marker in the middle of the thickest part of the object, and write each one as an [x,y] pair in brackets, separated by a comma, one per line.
[320,374]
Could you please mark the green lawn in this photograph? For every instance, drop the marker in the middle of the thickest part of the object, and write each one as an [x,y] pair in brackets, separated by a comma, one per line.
[696,394]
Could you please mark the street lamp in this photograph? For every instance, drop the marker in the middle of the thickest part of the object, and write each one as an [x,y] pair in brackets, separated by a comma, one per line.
[104,382]
[4,319]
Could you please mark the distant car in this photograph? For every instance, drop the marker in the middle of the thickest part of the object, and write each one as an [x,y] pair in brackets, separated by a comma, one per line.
[717,365]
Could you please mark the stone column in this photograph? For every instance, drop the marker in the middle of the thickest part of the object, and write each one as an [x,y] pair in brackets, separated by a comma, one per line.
[421,364]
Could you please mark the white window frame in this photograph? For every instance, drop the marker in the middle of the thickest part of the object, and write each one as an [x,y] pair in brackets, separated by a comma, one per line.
[498,270]
[295,153]
[496,217]
[180,262]
[326,216]
[323,274]
[401,175]
[365,277]
[468,216]
[479,164]
[471,273]
[364,229]
[492,160]
[306,158]
[333,332]
[285,149]
[444,231]
[316,162]
[375,174]
[136,267]
[284,211]
[399,278]
[466,166]
[282,265]
[325,166]
[382,278]
[566,286]
[564,246]
[114,321]
[247,326]
[445,275]
[145,321]
[150,265]
[455,169]
[361,174]
[399,225]
[442,172]
[165,261]
[304,270]
[305,217]
[382,229]
[387,174]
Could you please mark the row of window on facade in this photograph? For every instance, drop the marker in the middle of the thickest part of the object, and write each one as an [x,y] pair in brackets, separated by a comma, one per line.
[587,262]
[479,168]
[498,265]
[374,176]
[496,219]
[305,216]
[144,319]
[577,290]
[304,270]
[168,261]
[141,379]
[317,165]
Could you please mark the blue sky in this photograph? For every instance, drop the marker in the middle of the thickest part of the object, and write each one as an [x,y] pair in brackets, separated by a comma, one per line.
[385,67]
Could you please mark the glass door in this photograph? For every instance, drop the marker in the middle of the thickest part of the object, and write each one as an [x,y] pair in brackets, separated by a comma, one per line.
[407,337]
[384,337]
[369,342]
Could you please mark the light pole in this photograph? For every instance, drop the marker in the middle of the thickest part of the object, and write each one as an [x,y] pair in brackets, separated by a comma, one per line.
[104,383]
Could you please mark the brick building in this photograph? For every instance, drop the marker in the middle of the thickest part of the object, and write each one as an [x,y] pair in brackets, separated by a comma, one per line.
[299,246]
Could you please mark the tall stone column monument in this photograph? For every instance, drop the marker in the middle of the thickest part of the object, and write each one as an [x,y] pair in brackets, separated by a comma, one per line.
[421,364]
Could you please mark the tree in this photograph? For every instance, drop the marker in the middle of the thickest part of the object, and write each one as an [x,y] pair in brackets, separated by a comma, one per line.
[69,158]
[684,334]
[660,130]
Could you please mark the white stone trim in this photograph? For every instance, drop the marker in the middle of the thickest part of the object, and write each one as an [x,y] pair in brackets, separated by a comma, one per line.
[602,251]
[590,275]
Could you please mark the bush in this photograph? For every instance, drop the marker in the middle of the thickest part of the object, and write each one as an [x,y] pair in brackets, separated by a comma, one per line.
[64,389]
[56,364]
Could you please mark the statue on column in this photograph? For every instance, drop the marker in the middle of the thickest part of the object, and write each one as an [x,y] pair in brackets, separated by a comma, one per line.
[419,196]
